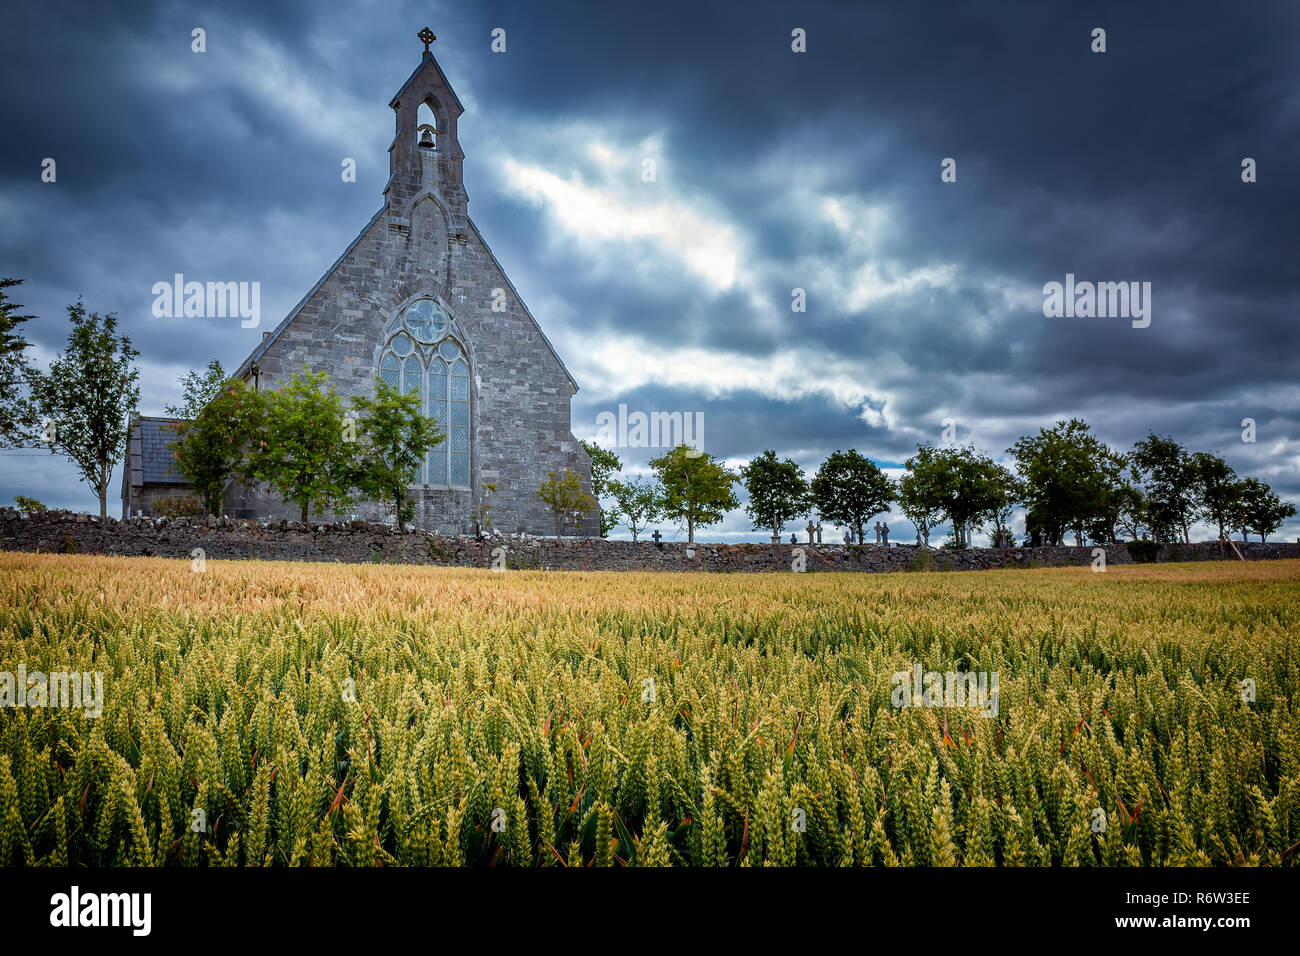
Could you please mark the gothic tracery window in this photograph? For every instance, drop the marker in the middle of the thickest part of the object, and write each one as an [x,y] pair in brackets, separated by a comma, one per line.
[421,357]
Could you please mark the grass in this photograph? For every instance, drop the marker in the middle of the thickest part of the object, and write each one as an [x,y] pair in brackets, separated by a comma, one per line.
[273,713]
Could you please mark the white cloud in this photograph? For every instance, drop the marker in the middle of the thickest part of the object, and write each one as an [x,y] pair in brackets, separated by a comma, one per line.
[613,212]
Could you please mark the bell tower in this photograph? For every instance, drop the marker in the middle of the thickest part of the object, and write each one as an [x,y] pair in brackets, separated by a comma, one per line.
[425,156]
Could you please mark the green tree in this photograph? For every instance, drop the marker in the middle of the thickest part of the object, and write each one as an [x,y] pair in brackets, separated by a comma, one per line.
[1169,484]
[1112,477]
[962,484]
[301,452]
[850,489]
[604,466]
[919,499]
[16,413]
[778,492]
[393,437]
[197,389]
[1070,479]
[214,442]
[697,487]
[89,395]
[640,502]
[1259,509]
[1131,517]
[1218,490]
[1004,494]
[567,499]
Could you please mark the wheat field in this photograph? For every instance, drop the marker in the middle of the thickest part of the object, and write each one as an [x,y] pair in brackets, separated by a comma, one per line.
[259,714]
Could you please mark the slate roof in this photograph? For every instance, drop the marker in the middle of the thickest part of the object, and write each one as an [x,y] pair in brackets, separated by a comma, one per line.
[151,455]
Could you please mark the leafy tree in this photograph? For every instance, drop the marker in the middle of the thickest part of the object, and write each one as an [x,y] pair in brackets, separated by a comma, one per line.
[1112,475]
[697,487]
[1070,479]
[16,412]
[393,437]
[640,502]
[214,441]
[1004,493]
[850,489]
[566,497]
[89,394]
[197,389]
[1259,509]
[605,464]
[919,499]
[1218,490]
[301,452]
[962,484]
[1169,481]
[777,491]
[1131,514]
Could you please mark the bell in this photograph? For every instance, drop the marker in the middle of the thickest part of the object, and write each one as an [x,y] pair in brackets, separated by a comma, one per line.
[426,139]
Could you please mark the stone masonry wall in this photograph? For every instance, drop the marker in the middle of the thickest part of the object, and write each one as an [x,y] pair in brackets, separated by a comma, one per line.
[359,541]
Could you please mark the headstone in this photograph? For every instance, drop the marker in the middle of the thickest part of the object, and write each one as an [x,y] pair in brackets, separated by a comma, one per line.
[877,532]
[656,536]
[811,529]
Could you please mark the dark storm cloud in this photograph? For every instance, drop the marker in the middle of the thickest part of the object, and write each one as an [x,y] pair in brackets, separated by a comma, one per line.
[818,171]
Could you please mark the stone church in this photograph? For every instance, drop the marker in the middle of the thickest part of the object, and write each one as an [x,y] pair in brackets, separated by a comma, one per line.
[419,300]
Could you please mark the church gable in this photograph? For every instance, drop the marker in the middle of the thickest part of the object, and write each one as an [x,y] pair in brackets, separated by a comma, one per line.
[419,300]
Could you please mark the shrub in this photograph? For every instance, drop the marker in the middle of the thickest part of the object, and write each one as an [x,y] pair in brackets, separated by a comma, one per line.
[924,561]
[179,506]
[1143,552]
[28,506]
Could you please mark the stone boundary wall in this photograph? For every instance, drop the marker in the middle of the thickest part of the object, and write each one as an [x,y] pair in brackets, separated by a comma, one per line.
[359,541]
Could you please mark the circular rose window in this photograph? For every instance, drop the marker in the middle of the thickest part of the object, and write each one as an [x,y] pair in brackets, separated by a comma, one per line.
[425,320]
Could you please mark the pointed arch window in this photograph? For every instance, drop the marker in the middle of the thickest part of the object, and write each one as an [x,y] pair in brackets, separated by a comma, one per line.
[421,357]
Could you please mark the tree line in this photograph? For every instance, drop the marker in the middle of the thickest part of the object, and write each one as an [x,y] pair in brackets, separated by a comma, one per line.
[1067,481]
[300,441]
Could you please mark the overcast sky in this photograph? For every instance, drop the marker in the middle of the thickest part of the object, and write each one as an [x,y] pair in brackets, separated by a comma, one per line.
[775,170]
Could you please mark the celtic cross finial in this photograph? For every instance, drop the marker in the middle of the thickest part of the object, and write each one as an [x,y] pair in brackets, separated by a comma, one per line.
[426,35]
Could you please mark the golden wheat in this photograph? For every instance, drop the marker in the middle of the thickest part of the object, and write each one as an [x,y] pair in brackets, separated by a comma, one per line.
[292,714]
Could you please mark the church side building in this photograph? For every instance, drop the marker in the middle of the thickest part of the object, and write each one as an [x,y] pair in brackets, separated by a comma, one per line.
[419,300]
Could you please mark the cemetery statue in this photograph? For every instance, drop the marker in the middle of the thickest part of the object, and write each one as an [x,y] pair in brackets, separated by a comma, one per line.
[884,535]
[848,536]
[819,532]
[794,539]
